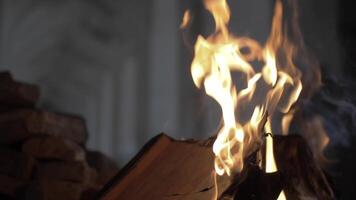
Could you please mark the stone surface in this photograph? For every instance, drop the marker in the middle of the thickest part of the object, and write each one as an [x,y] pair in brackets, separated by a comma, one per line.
[54,148]
[21,124]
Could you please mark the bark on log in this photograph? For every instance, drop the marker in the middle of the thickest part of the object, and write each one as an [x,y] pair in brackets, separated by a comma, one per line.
[21,124]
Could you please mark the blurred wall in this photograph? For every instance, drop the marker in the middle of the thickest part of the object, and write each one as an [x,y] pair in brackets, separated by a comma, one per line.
[89,57]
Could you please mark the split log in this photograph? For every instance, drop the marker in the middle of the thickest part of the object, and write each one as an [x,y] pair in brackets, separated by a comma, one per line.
[17,94]
[166,169]
[16,164]
[171,169]
[66,171]
[21,124]
[54,148]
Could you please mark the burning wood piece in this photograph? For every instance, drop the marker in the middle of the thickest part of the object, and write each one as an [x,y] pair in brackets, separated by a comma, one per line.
[167,169]
[14,93]
[299,175]
[303,176]
[254,183]
[170,169]
[21,124]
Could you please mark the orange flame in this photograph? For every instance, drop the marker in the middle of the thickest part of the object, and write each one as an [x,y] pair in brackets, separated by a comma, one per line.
[186,19]
[217,57]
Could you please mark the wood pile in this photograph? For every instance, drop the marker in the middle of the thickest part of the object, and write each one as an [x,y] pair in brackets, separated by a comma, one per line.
[43,154]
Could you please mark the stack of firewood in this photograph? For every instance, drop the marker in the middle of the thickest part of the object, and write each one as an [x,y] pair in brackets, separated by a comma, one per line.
[43,154]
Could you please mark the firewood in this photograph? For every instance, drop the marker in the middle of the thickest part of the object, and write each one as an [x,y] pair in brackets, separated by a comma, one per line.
[52,190]
[53,148]
[171,169]
[16,164]
[299,175]
[167,169]
[21,124]
[14,93]
[66,171]
[303,176]
[10,187]
[254,183]
[104,166]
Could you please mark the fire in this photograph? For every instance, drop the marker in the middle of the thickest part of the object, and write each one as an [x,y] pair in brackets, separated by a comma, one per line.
[270,161]
[220,55]
[186,19]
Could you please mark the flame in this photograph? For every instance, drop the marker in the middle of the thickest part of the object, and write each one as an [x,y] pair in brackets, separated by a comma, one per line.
[220,55]
[186,19]
[286,120]
[270,161]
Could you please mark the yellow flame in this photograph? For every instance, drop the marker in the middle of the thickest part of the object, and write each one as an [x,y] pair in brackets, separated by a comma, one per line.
[282,196]
[221,13]
[286,120]
[270,161]
[186,19]
[220,55]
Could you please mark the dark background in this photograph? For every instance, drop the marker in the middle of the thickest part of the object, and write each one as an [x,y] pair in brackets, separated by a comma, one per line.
[123,65]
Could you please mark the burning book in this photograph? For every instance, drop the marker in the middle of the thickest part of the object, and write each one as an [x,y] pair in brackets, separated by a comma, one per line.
[246,160]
